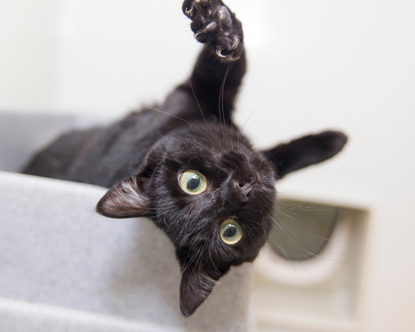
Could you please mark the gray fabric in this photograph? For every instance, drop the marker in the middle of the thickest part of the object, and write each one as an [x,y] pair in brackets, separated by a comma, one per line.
[19,316]
[55,250]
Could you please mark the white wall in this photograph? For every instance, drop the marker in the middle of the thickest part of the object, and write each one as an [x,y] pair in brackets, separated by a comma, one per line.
[312,65]
[113,55]
[28,53]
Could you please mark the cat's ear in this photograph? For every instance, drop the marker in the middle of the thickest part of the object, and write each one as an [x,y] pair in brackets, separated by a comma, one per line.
[194,289]
[130,198]
[126,199]
[305,151]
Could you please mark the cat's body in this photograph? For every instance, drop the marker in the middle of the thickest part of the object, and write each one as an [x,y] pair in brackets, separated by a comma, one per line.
[187,166]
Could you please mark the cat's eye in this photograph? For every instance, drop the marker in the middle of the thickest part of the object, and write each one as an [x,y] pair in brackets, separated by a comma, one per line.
[230,232]
[192,182]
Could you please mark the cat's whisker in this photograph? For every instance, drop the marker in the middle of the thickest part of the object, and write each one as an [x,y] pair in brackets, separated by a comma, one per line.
[200,107]
[281,247]
[249,122]
[165,222]
[199,258]
[264,230]
[210,135]
[291,236]
[283,211]
[210,255]
[221,105]
[193,259]
[293,239]
[225,256]
[168,114]
[156,170]
[228,70]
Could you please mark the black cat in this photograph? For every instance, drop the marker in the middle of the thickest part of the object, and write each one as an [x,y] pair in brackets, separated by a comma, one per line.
[187,166]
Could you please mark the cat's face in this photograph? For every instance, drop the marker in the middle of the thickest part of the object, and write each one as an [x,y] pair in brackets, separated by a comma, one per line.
[214,201]
[211,194]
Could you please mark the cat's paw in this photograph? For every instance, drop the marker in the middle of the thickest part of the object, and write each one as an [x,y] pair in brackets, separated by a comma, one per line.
[214,24]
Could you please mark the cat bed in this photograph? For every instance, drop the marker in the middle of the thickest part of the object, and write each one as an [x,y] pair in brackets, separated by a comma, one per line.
[66,268]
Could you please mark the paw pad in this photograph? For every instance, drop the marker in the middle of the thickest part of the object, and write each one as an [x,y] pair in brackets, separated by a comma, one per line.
[215,25]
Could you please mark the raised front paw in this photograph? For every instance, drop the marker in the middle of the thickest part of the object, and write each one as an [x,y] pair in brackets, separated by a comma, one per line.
[215,25]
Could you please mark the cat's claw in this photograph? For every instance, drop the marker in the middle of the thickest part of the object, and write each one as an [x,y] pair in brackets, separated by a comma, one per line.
[215,25]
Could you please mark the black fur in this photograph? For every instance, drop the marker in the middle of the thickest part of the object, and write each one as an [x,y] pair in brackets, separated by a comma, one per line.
[142,156]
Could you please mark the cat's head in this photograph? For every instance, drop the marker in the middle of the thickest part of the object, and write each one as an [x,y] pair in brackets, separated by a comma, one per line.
[211,193]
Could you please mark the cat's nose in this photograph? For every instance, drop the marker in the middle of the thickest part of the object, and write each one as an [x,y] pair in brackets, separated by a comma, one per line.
[244,189]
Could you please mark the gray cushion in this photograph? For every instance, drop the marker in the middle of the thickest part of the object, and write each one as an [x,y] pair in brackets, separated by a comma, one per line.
[69,269]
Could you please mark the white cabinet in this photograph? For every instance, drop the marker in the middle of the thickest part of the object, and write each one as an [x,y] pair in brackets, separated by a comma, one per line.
[309,275]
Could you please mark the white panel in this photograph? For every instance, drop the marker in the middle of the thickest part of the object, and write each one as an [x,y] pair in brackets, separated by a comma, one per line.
[28,43]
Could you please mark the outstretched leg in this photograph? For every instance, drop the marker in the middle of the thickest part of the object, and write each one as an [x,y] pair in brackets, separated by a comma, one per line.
[219,70]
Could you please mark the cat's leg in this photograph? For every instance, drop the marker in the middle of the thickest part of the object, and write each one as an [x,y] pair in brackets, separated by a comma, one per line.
[305,151]
[219,69]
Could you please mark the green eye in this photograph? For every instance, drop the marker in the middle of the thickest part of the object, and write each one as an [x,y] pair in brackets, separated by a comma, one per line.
[230,232]
[192,182]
